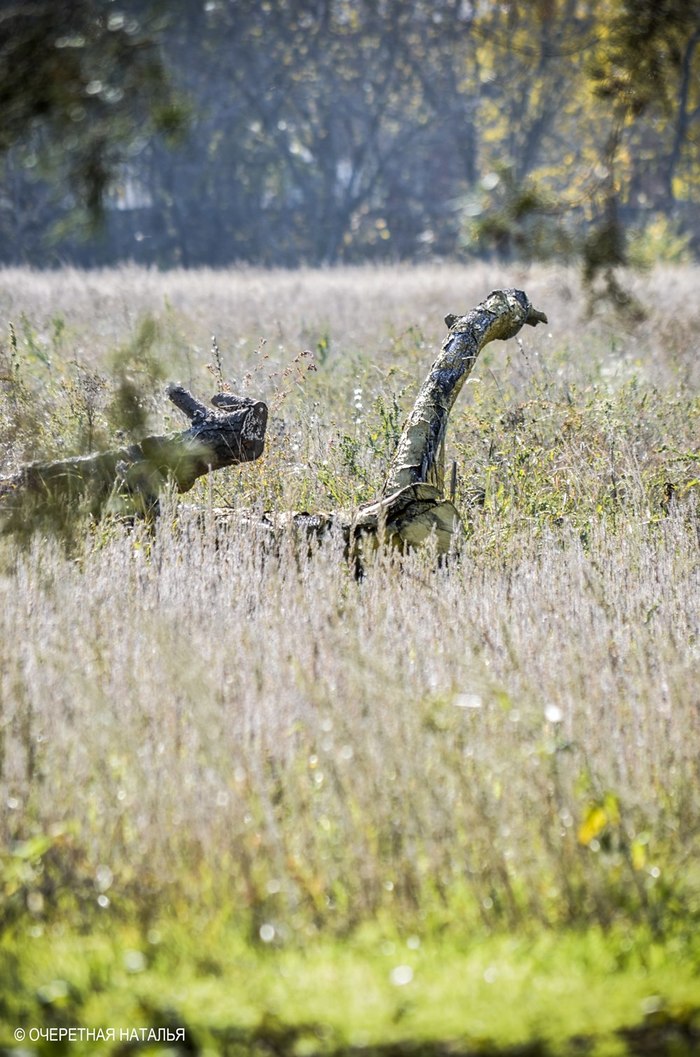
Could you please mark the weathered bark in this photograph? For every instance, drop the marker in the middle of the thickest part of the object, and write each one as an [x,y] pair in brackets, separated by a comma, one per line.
[407,518]
[419,457]
[412,505]
[131,478]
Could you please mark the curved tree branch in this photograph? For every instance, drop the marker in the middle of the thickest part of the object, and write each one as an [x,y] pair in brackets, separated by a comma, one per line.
[419,453]
[412,506]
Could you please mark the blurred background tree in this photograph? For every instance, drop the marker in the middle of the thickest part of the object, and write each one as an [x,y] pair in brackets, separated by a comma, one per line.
[82,85]
[346,130]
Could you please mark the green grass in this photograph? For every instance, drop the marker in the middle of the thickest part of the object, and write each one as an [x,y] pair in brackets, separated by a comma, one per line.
[236,782]
[373,990]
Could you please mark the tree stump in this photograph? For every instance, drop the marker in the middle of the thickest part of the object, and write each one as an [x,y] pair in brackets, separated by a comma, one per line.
[129,480]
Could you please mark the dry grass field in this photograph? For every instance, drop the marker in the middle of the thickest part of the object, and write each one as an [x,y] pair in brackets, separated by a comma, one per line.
[216,760]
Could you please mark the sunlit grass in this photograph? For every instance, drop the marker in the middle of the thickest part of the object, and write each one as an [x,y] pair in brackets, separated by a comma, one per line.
[375,989]
[262,772]
[413,741]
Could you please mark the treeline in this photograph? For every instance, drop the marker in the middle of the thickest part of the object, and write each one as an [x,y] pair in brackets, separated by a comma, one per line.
[205,132]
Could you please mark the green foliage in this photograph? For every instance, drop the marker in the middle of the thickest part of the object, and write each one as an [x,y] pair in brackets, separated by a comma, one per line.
[138,377]
[638,63]
[659,240]
[515,219]
[387,992]
[603,249]
[52,404]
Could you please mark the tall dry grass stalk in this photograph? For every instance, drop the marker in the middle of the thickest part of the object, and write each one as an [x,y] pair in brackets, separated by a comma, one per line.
[366,311]
[202,719]
[513,737]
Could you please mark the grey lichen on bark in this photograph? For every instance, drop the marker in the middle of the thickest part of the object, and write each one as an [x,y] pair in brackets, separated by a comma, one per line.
[419,456]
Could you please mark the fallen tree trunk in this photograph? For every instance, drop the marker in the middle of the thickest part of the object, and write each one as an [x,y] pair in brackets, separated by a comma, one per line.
[412,506]
[407,518]
[129,480]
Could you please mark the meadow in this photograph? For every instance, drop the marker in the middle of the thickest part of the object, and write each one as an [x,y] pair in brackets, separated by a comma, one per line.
[438,808]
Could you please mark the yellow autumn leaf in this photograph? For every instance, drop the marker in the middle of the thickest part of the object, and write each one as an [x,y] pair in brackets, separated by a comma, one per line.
[594,823]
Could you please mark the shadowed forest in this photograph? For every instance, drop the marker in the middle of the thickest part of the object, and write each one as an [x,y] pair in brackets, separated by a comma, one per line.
[326,131]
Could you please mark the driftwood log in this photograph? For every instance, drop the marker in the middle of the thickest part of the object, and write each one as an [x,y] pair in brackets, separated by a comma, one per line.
[129,480]
[412,506]
[410,509]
